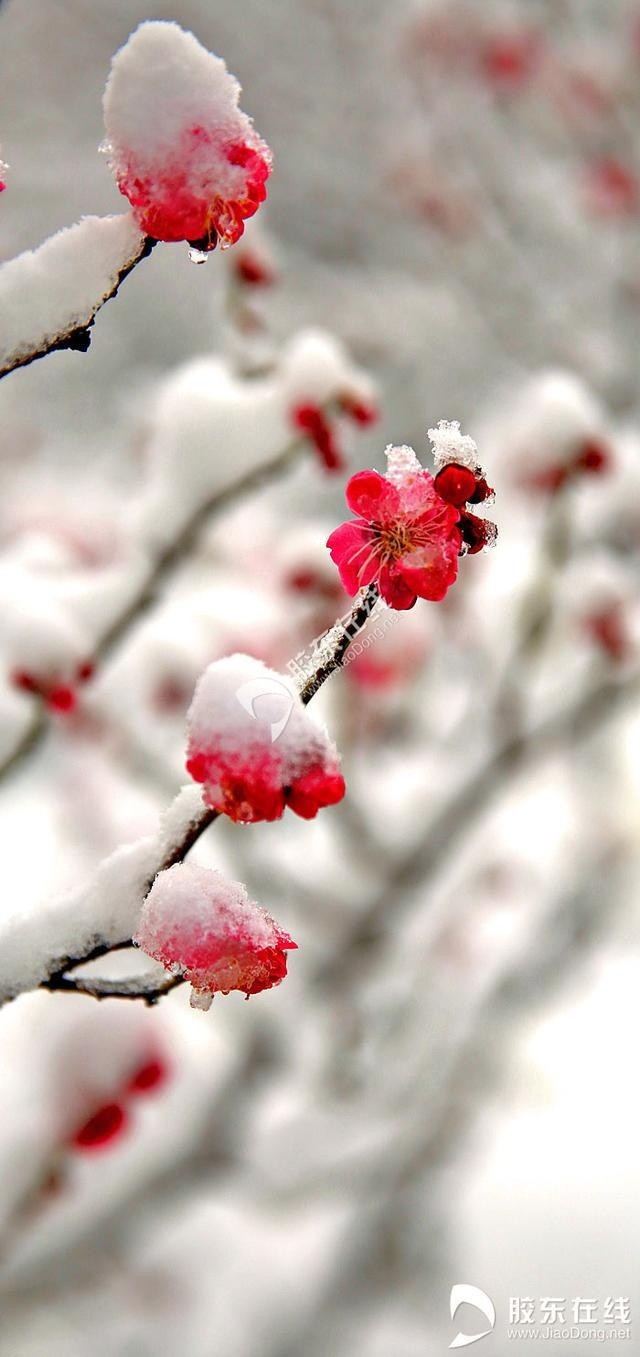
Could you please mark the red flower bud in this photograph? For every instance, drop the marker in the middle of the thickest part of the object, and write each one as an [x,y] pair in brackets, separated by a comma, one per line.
[103,1127]
[456,484]
[148,1077]
[61,698]
[313,421]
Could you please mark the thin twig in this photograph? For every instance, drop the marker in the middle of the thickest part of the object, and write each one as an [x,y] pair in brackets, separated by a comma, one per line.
[160,570]
[571,722]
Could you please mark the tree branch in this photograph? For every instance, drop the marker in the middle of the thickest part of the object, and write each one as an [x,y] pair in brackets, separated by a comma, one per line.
[76,334]
[571,723]
[160,570]
[333,648]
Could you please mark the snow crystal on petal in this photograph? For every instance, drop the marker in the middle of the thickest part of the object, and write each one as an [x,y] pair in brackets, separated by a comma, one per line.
[402,464]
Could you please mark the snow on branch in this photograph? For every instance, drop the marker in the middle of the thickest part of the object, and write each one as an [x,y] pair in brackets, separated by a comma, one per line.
[41,949]
[98,918]
[49,297]
[204,410]
[187,158]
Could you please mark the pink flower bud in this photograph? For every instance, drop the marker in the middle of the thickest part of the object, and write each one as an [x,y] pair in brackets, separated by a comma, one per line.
[182,151]
[199,924]
[254,746]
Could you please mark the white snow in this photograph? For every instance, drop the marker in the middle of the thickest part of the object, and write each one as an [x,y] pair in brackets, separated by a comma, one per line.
[33,944]
[545,424]
[189,902]
[212,428]
[54,608]
[164,86]
[196,920]
[241,704]
[450,445]
[47,293]
[402,464]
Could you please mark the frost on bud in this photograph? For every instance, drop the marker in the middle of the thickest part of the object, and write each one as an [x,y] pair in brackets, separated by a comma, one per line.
[199,924]
[254,747]
[450,445]
[182,151]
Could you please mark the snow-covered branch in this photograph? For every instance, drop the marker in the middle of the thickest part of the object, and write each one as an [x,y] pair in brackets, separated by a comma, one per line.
[49,297]
[201,408]
[41,949]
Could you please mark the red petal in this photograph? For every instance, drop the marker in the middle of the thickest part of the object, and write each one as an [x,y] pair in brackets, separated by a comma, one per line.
[355,553]
[365,493]
[313,790]
[430,571]
[394,590]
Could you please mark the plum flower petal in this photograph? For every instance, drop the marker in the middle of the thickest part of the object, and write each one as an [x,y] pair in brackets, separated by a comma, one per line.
[407,538]
[368,491]
[352,543]
[429,569]
[182,151]
[203,926]
[255,748]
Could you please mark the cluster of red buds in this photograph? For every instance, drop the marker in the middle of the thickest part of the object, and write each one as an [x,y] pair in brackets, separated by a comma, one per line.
[58,695]
[461,486]
[315,423]
[110,1120]
[592,458]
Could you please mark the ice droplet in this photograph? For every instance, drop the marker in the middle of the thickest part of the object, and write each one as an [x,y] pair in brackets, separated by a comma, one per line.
[200,999]
[198,256]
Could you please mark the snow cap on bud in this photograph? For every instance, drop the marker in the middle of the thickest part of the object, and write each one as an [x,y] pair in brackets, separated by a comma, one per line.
[254,747]
[555,431]
[182,151]
[316,370]
[450,445]
[197,923]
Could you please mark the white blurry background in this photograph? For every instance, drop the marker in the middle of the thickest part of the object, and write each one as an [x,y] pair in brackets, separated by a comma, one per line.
[449,1093]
